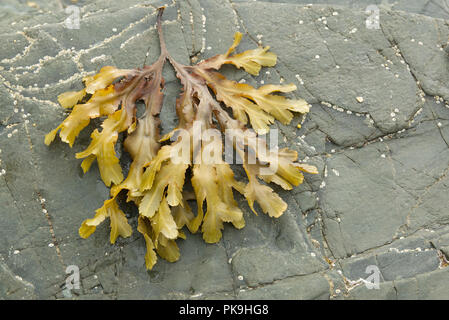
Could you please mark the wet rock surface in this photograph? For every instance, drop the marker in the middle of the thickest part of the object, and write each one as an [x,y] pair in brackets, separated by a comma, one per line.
[378,132]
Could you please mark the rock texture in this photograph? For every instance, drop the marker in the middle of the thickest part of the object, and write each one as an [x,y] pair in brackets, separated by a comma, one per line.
[378,131]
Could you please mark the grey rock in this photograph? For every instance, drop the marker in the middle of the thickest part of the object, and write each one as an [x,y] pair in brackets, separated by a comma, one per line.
[397,266]
[426,286]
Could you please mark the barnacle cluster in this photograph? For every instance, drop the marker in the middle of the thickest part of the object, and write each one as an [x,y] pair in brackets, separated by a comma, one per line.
[156,177]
